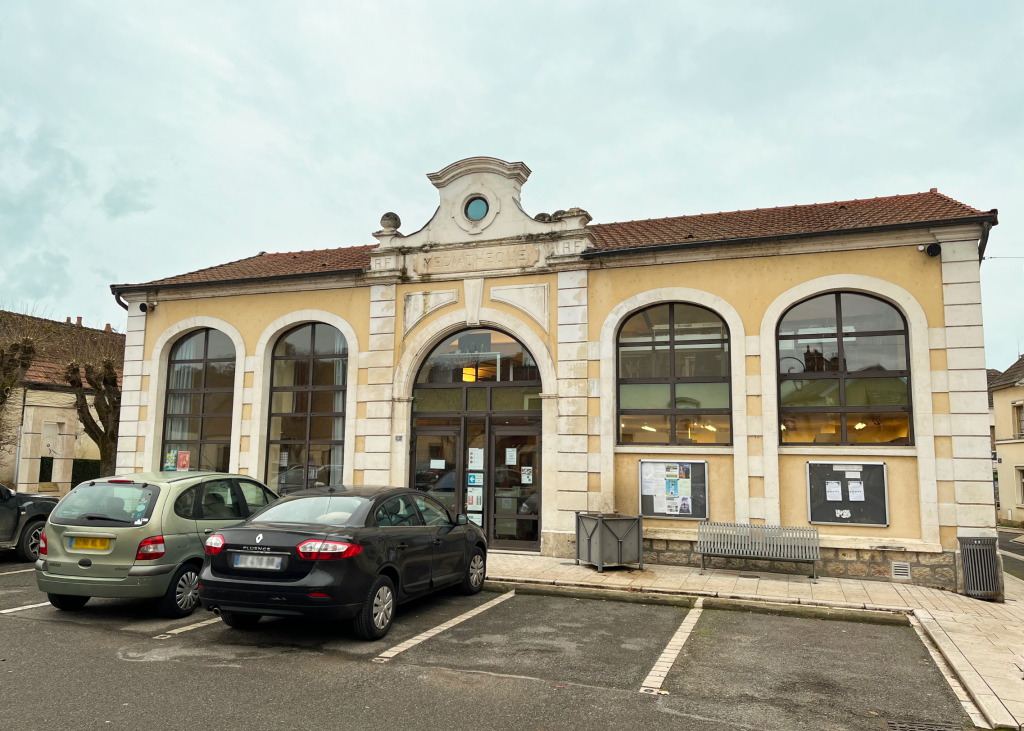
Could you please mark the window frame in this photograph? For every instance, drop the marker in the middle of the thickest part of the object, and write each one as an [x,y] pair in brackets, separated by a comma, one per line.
[672,379]
[842,375]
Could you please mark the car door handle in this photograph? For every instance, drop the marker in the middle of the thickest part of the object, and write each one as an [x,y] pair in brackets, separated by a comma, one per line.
[208,531]
[437,542]
[402,546]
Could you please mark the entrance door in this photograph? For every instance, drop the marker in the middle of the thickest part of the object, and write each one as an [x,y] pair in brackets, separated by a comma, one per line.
[516,489]
[435,468]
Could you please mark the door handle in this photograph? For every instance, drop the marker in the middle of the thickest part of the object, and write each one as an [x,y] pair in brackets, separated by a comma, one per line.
[402,546]
[208,531]
[437,541]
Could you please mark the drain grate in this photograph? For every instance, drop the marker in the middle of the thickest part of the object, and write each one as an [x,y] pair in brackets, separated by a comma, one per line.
[916,726]
[900,570]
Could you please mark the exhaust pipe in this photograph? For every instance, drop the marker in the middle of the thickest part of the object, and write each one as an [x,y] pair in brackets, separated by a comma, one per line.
[216,610]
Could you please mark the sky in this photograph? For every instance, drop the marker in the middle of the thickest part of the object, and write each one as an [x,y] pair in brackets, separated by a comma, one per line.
[140,140]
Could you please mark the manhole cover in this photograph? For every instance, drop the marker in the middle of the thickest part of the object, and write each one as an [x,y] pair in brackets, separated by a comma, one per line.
[916,726]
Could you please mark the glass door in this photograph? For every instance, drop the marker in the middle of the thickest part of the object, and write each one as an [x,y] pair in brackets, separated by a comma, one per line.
[435,466]
[515,488]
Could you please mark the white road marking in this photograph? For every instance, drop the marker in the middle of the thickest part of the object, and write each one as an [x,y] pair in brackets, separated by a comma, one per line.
[656,677]
[21,571]
[27,606]
[171,633]
[388,654]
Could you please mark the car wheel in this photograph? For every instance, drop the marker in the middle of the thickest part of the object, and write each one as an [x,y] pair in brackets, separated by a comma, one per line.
[237,620]
[182,595]
[374,618]
[67,602]
[28,544]
[476,571]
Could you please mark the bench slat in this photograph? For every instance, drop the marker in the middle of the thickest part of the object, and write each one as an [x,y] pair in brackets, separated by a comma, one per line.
[770,542]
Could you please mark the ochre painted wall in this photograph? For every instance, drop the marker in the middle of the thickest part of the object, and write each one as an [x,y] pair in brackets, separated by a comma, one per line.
[721,499]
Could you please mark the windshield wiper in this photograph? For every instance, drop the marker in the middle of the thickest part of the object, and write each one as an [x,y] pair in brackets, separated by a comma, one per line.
[97,516]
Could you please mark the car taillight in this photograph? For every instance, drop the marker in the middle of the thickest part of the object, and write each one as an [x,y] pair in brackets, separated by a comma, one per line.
[214,544]
[150,548]
[319,550]
[42,543]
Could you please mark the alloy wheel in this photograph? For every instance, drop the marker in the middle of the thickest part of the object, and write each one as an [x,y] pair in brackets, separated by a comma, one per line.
[476,571]
[34,539]
[186,593]
[383,605]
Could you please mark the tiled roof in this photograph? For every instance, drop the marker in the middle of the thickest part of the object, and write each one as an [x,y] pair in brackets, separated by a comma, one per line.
[818,218]
[993,374]
[44,370]
[1010,376]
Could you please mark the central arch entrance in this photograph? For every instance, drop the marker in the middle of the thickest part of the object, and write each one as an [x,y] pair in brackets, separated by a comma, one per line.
[476,434]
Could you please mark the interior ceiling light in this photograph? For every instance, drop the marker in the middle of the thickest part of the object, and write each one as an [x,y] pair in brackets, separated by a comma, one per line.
[860,426]
[710,428]
[648,428]
[469,375]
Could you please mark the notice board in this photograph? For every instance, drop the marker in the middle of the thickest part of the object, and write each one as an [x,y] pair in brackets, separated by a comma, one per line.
[674,489]
[848,493]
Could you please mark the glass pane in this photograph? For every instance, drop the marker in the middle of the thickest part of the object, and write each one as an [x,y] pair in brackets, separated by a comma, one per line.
[182,429]
[288,428]
[882,353]
[867,314]
[329,341]
[183,403]
[255,496]
[437,399]
[876,392]
[878,428]
[327,428]
[186,375]
[643,344]
[697,323]
[219,501]
[291,373]
[218,403]
[190,347]
[694,360]
[517,477]
[816,315]
[478,355]
[808,355]
[326,464]
[645,396]
[515,399]
[184,506]
[531,420]
[476,399]
[811,429]
[433,514]
[817,392]
[644,429]
[286,467]
[220,375]
[217,428]
[215,457]
[703,429]
[220,346]
[510,529]
[289,402]
[437,422]
[702,395]
[330,371]
[329,402]
[172,455]
[435,467]
[295,343]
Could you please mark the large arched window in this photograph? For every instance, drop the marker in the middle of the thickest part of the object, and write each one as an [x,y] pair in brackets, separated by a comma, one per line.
[306,433]
[200,398]
[673,377]
[843,372]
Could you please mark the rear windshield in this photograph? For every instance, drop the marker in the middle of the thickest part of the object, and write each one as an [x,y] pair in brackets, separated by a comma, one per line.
[106,504]
[327,510]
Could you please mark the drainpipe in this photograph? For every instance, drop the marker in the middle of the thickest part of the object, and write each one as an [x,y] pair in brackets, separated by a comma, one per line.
[121,302]
[985,228]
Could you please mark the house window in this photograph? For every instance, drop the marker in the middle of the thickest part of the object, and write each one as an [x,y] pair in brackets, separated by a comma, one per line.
[200,400]
[306,431]
[844,377]
[1018,421]
[673,377]
[1019,487]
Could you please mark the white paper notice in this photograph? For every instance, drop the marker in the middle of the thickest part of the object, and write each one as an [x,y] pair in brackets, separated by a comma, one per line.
[527,475]
[684,487]
[853,475]
[474,499]
[476,458]
[511,457]
[659,502]
[856,491]
[672,505]
[477,518]
[646,471]
[437,464]
[833,491]
[646,487]
[672,472]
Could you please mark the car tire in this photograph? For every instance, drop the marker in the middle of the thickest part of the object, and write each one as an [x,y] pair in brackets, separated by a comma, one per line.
[239,620]
[476,572]
[375,617]
[67,602]
[28,545]
[182,595]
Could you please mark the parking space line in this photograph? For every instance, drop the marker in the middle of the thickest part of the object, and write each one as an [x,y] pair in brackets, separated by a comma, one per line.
[27,606]
[171,633]
[20,571]
[423,636]
[656,677]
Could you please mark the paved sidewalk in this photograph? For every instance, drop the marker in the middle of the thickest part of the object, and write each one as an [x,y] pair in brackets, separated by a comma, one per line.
[983,642]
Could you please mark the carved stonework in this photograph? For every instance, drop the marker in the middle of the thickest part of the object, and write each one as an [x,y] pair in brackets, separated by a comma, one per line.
[533,299]
[420,304]
[476,259]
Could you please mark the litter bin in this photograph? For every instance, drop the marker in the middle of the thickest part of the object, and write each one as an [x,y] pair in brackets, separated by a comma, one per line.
[981,567]
[609,539]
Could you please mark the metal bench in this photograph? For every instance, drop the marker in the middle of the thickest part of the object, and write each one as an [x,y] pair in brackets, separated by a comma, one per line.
[765,542]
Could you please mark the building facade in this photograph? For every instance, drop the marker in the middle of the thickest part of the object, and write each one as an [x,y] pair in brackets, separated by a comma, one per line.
[819,363]
[1007,391]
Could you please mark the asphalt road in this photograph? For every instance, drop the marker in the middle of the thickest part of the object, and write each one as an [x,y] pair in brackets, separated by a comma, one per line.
[1012,565]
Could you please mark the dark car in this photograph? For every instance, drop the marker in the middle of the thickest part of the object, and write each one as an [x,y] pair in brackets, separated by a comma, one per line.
[340,553]
[22,519]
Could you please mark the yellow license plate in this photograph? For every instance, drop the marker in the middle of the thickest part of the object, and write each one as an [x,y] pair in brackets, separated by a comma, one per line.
[92,544]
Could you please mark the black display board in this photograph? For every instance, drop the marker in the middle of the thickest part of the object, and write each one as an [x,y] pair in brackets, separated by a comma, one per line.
[848,493]
[674,489]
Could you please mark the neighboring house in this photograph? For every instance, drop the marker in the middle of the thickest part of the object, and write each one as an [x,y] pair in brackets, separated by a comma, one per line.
[52,452]
[1007,393]
[993,374]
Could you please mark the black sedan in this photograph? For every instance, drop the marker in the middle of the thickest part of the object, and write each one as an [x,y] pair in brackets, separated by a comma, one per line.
[340,553]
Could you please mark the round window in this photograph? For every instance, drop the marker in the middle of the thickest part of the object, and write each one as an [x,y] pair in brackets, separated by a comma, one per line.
[476,209]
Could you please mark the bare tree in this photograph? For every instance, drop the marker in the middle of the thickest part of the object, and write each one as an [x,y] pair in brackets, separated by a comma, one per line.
[19,335]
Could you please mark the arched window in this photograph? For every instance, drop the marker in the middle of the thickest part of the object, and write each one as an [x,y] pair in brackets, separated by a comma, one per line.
[843,372]
[200,399]
[673,377]
[306,432]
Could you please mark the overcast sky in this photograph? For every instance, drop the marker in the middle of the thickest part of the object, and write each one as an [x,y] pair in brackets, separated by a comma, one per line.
[140,140]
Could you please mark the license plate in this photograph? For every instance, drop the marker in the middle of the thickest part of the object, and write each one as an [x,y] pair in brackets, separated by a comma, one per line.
[255,561]
[91,544]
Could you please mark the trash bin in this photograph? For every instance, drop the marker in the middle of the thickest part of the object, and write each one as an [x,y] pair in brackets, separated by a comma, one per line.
[980,567]
[609,539]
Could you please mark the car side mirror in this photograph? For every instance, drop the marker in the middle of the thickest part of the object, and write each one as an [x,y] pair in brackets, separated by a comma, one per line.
[461,519]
